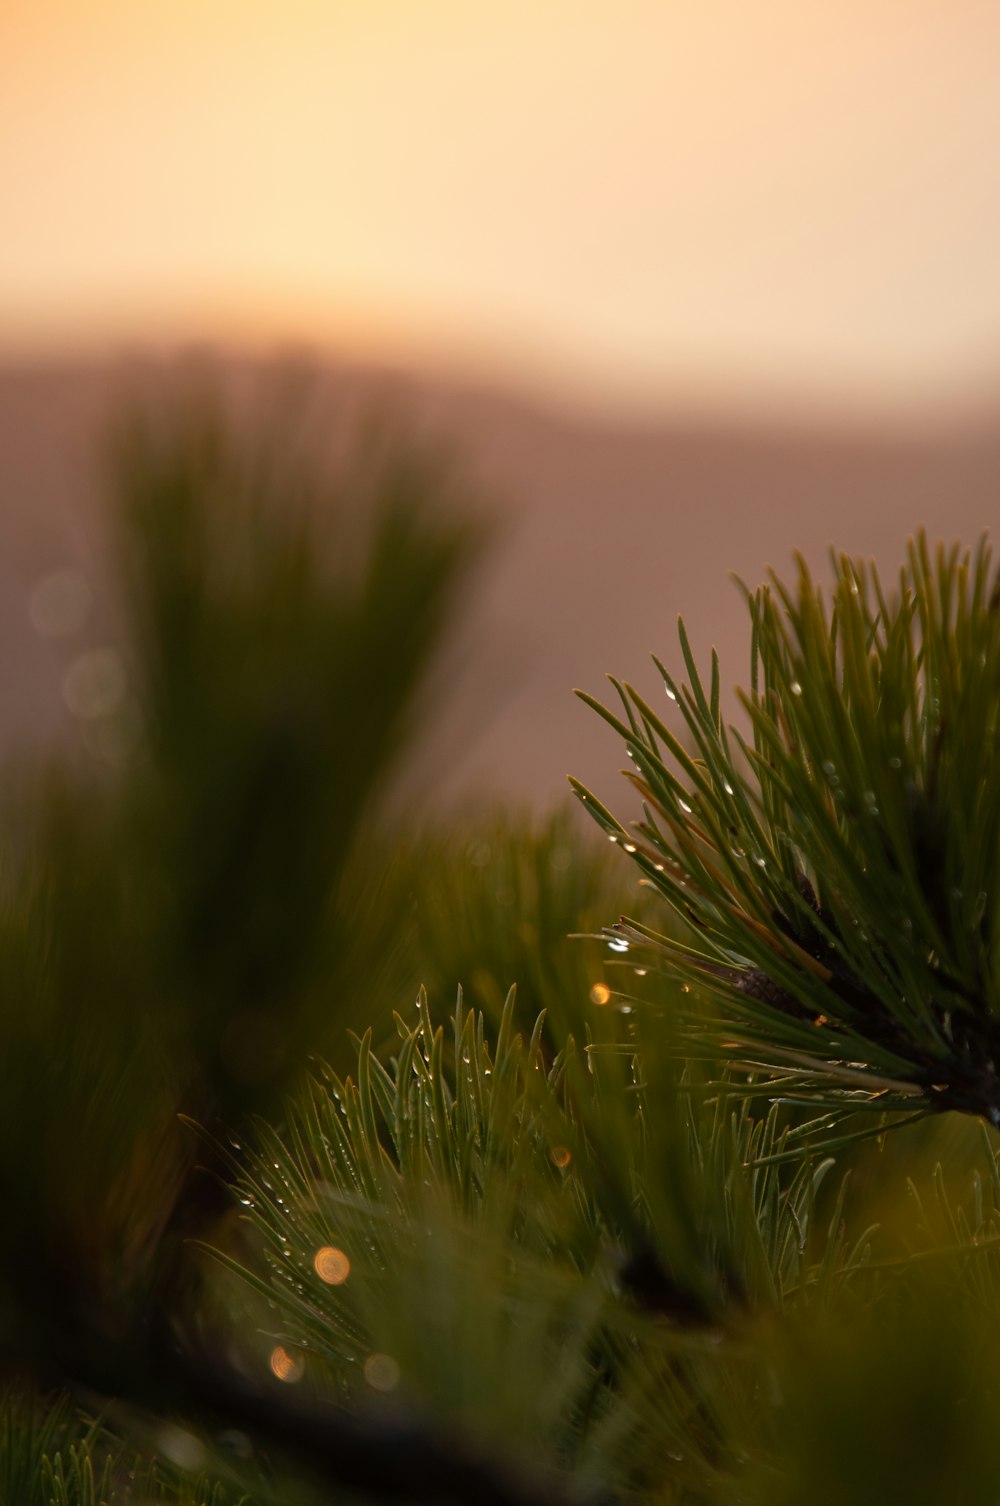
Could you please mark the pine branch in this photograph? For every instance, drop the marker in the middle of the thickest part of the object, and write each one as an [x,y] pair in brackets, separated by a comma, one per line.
[837,875]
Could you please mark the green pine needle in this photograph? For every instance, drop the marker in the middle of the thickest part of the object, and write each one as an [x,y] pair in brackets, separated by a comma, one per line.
[838,871]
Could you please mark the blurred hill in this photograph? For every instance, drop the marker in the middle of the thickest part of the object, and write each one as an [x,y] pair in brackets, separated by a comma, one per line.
[608,528]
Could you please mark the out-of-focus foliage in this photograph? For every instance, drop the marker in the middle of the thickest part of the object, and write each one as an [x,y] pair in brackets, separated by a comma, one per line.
[480,901]
[282,637]
[171,933]
[893,1404]
[49,1456]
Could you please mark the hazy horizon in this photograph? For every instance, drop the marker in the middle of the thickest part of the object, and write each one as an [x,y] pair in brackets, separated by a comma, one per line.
[736,203]
[606,532]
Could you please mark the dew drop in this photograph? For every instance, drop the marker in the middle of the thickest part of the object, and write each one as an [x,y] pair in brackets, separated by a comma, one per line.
[795,688]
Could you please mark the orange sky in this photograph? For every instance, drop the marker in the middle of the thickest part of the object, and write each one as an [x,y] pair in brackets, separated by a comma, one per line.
[759,197]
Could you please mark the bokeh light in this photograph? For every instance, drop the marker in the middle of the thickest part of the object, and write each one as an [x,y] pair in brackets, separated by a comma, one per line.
[286,1366]
[382,1372]
[331,1265]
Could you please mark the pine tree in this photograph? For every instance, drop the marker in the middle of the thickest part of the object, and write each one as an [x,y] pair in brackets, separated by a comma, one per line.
[707,1210]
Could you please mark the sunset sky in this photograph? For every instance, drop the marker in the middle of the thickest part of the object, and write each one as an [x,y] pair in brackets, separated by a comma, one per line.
[652,198]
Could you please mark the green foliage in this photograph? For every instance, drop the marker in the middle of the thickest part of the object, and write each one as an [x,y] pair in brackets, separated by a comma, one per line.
[629,1236]
[424,1188]
[283,636]
[838,873]
[51,1457]
[540,1252]
[171,925]
[623,1276]
[499,900]
[480,901]
[479,1275]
